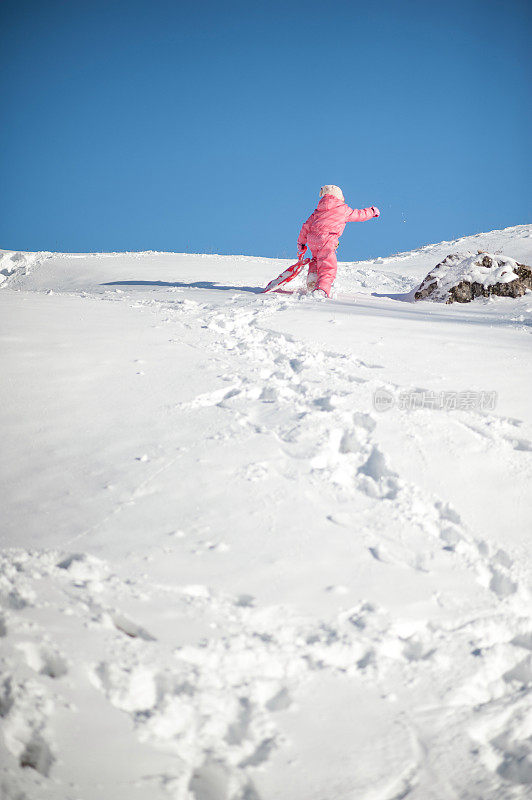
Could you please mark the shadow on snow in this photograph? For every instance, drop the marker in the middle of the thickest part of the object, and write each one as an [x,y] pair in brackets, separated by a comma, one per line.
[407,297]
[195,285]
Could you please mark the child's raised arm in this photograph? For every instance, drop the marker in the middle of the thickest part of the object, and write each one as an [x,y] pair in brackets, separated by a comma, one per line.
[362,214]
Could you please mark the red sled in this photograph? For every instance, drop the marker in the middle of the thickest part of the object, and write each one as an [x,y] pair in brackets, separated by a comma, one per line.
[288,275]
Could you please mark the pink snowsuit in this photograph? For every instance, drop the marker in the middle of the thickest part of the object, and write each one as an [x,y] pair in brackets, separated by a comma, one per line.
[322,231]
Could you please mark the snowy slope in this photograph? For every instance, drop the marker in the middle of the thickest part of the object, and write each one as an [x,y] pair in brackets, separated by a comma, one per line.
[226,574]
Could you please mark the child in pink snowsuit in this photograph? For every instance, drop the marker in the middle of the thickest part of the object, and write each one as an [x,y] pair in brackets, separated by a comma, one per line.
[322,231]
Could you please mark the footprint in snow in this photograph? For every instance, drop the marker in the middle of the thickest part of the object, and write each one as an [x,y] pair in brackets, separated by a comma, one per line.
[44,660]
[17,599]
[522,445]
[365,421]
[448,513]
[24,709]
[523,640]
[451,537]
[83,567]
[37,755]
[502,585]
[376,479]
[325,403]
[521,673]
[349,442]
[210,781]
[245,601]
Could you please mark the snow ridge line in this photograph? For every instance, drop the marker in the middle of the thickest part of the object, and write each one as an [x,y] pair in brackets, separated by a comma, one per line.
[482,239]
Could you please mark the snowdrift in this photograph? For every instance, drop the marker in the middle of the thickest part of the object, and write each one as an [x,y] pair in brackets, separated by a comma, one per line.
[255,546]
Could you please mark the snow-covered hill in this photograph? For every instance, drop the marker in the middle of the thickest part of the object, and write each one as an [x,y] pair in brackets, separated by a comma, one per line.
[260,546]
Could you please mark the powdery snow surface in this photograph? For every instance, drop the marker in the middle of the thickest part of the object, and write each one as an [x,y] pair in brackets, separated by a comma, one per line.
[227,572]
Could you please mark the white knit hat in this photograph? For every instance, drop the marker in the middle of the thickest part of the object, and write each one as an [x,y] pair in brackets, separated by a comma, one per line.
[331,189]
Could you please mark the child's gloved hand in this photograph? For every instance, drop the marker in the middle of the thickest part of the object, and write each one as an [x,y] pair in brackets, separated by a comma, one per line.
[301,249]
[376,211]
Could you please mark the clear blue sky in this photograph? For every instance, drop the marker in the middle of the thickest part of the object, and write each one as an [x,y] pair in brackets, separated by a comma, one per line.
[210,126]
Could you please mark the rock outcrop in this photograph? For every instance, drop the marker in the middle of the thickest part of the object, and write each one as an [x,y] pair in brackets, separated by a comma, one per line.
[461,277]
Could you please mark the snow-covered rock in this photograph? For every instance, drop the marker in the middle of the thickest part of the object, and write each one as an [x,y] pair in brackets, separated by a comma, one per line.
[461,277]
